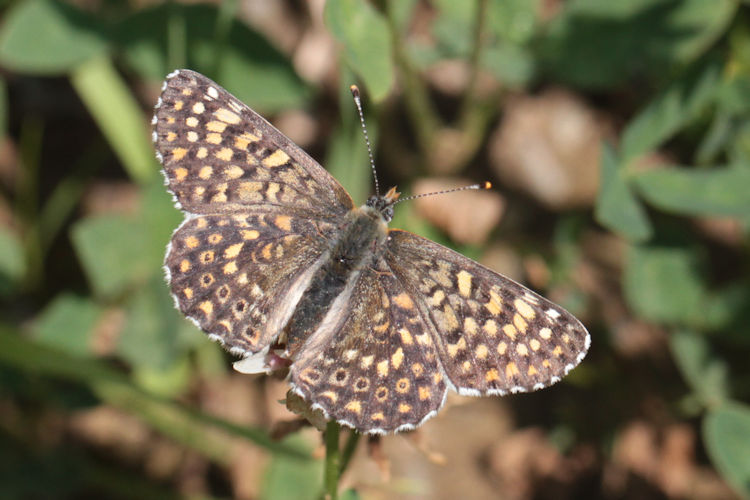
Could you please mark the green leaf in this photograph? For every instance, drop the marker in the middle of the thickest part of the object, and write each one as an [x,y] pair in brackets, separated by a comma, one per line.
[716,191]
[184,425]
[3,108]
[725,432]
[120,252]
[67,323]
[514,21]
[350,494]
[149,338]
[288,478]
[113,251]
[508,55]
[249,67]
[511,64]
[170,381]
[401,13]
[662,284]
[49,37]
[716,138]
[367,42]
[160,219]
[616,207]
[731,95]
[600,44]
[707,375]
[738,151]
[12,263]
[118,115]
[725,309]
[453,28]
[669,111]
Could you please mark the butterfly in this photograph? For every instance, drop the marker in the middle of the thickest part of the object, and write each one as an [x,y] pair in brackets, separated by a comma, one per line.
[378,324]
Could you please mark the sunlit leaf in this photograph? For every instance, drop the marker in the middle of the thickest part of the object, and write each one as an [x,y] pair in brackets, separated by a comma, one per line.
[12,264]
[49,37]
[716,191]
[725,432]
[364,34]
[171,380]
[160,218]
[616,206]
[249,66]
[118,115]
[184,425]
[285,478]
[514,21]
[120,252]
[67,323]
[401,12]
[662,284]
[670,110]
[3,107]
[511,64]
[149,337]
[705,372]
[599,44]
[111,249]
[453,28]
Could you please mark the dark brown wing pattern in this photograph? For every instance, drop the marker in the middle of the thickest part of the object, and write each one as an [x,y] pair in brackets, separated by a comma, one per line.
[233,274]
[379,372]
[219,156]
[260,212]
[492,335]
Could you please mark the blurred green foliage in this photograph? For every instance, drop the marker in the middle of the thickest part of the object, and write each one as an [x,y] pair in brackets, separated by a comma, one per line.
[681,68]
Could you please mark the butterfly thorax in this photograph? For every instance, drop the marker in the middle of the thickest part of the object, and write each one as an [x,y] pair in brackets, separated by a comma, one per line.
[359,243]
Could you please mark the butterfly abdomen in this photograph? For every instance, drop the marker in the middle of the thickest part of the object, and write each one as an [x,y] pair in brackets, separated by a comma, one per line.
[348,254]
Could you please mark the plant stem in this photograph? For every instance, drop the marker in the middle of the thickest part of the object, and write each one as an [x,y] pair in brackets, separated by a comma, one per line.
[349,447]
[65,197]
[475,114]
[480,26]
[422,114]
[27,209]
[222,29]
[176,37]
[333,461]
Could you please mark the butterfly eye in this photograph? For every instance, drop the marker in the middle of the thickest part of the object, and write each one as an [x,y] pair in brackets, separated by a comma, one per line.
[383,205]
[387,213]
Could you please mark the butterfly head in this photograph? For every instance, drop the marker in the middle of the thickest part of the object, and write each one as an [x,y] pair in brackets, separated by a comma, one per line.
[384,204]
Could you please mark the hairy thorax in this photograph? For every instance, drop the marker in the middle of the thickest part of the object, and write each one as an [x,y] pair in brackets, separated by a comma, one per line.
[361,241]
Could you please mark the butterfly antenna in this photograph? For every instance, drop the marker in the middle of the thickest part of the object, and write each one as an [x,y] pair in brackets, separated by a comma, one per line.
[483,185]
[358,101]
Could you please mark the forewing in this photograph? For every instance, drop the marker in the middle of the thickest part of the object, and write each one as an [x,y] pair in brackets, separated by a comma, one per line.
[379,372]
[219,156]
[492,335]
[233,275]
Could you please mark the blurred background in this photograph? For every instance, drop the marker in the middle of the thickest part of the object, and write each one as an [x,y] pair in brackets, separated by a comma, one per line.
[616,134]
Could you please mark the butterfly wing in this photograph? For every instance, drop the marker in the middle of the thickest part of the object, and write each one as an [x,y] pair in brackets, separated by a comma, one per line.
[377,368]
[220,156]
[238,276]
[260,212]
[492,335]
